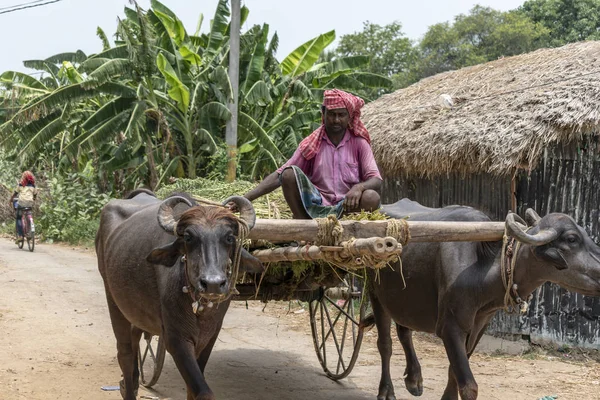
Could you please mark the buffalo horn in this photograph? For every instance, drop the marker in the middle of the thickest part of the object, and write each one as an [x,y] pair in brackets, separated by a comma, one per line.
[518,219]
[542,237]
[166,220]
[246,209]
[532,217]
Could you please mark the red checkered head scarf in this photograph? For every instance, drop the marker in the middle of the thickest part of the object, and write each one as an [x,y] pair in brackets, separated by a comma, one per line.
[27,178]
[336,99]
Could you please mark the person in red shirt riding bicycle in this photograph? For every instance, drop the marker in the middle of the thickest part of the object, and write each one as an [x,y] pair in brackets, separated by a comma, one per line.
[23,197]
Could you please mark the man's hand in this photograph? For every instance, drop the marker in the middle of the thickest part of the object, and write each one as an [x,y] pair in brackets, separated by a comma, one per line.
[352,201]
[233,207]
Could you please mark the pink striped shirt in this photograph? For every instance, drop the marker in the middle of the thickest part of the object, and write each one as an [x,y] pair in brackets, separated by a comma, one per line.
[334,170]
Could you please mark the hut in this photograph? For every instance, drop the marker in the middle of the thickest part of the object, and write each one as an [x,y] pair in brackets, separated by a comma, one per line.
[510,134]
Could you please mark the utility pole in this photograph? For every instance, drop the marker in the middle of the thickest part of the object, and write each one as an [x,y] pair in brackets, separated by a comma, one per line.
[234,78]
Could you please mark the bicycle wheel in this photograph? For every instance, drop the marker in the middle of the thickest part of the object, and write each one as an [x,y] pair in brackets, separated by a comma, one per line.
[27,233]
[31,241]
[151,358]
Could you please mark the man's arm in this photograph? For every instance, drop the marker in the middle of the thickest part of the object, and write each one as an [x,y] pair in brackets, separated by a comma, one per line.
[373,183]
[370,176]
[352,199]
[270,183]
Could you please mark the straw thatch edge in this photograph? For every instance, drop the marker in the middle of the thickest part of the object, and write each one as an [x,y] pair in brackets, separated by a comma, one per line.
[491,118]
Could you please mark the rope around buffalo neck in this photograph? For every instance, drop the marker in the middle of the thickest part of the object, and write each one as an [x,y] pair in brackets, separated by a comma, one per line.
[243,231]
[508,262]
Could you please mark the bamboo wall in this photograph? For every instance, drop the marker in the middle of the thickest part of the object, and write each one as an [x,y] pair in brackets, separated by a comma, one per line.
[568,181]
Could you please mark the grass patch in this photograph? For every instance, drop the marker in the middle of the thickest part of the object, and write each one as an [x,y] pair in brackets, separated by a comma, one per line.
[81,232]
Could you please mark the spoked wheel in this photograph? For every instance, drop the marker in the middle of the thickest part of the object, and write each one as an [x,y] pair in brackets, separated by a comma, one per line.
[334,321]
[28,233]
[151,359]
[31,241]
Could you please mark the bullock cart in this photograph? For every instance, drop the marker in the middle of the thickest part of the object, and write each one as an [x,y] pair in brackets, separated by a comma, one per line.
[322,262]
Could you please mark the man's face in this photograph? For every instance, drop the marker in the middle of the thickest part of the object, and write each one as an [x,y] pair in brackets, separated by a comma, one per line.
[336,120]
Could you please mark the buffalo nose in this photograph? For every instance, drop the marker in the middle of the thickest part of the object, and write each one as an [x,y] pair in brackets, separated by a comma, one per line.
[213,285]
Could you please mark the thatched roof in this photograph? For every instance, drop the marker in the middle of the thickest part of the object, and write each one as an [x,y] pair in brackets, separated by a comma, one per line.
[504,114]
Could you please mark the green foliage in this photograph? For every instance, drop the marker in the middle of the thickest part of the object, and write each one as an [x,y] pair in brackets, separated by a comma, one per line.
[566,20]
[80,231]
[9,178]
[269,206]
[390,52]
[483,35]
[155,106]
[71,207]
[102,36]
[9,173]
[304,57]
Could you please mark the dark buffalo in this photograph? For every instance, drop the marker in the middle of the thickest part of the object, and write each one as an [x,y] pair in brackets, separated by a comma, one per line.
[148,252]
[453,289]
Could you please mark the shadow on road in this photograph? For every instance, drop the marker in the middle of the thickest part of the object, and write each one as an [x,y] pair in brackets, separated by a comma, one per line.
[256,374]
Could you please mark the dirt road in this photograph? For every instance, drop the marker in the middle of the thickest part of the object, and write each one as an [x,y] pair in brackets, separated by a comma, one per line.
[56,343]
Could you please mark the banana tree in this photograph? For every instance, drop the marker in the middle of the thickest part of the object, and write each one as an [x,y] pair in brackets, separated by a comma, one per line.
[155,103]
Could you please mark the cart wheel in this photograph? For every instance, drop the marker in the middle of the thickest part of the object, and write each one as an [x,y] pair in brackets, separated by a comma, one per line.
[151,357]
[334,321]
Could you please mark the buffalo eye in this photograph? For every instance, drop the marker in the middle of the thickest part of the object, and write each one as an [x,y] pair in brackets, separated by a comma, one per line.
[572,239]
[187,237]
[230,239]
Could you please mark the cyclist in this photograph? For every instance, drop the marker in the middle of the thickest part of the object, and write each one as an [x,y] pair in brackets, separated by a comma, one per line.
[26,192]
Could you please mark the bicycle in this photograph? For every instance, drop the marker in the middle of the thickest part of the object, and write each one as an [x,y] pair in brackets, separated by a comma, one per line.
[28,229]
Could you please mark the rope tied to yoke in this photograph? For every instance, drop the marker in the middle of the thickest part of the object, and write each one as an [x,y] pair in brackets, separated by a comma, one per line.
[398,229]
[508,262]
[330,233]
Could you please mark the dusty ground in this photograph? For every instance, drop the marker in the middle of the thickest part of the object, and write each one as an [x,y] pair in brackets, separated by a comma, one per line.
[56,343]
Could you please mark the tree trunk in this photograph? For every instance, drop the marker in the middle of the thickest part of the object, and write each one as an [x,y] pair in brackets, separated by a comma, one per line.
[151,165]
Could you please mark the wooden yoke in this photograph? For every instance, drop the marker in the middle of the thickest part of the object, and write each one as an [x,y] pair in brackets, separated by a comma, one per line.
[296,230]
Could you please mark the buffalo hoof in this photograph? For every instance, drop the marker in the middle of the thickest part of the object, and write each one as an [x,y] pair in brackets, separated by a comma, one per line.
[415,387]
[208,396]
[386,393]
[447,396]
[469,392]
[123,391]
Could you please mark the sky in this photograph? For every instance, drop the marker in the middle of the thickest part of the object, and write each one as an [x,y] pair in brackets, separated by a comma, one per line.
[69,25]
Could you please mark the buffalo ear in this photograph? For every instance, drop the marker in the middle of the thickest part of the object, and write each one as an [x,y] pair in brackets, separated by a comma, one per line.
[166,255]
[553,255]
[251,264]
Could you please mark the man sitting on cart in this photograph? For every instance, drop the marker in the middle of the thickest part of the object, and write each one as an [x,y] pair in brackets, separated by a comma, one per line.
[333,170]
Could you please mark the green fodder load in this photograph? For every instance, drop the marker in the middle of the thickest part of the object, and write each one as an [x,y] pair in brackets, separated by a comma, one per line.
[272,205]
